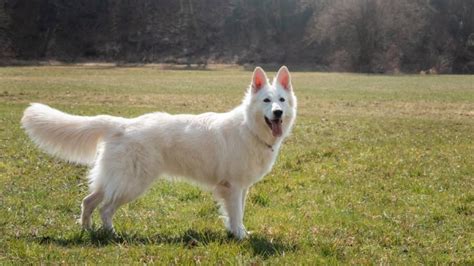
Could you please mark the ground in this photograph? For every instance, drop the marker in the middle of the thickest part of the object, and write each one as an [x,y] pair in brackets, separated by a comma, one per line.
[379,169]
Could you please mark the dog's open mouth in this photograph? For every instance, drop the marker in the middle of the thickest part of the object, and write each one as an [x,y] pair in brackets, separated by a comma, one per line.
[275,126]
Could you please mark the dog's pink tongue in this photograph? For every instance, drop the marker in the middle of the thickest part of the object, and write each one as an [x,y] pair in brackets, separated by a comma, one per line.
[276,128]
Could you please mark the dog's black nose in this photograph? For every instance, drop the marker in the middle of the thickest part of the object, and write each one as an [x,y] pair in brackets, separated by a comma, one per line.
[277,113]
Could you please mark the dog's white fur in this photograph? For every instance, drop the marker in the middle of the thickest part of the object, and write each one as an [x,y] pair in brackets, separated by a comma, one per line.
[224,152]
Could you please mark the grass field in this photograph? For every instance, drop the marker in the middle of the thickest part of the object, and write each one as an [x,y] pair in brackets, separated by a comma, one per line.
[379,169]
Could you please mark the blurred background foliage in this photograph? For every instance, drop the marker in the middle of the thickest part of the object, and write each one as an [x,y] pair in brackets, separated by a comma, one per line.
[373,36]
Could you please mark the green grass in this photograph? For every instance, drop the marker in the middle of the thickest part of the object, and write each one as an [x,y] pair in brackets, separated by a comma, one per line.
[379,169]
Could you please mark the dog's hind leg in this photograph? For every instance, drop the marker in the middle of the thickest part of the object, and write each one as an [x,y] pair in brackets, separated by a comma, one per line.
[107,212]
[88,205]
[111,204]
[119,193]
[124,172]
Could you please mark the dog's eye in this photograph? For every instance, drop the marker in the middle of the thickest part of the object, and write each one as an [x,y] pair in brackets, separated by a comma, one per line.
[282,99]
[266,100]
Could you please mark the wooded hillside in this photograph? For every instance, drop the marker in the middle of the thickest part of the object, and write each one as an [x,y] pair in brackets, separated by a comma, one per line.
[339,35]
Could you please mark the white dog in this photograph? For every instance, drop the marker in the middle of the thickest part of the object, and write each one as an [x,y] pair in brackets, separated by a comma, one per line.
[224,152]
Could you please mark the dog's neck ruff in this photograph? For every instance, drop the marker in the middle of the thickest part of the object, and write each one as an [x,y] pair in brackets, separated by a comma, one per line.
[266,144]
[262,141]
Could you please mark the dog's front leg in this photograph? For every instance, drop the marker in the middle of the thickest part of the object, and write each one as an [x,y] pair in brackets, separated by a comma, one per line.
[244,197]
[233,203]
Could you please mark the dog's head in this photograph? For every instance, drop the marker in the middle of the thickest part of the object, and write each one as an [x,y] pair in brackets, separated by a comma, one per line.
[271,107]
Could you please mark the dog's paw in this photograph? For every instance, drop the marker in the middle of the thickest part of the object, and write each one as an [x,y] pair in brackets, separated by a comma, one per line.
[107,232]
[85,224]
[239,233]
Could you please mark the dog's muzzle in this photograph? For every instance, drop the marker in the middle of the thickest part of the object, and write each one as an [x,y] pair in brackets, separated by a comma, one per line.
[275,125]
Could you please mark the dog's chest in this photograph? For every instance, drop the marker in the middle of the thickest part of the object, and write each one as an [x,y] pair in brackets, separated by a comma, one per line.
[258,165]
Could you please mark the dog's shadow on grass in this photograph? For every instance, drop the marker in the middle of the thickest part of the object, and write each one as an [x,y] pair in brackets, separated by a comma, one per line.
[257,244]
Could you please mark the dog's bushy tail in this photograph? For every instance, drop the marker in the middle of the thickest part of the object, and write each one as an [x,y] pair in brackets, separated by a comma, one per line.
[70,137]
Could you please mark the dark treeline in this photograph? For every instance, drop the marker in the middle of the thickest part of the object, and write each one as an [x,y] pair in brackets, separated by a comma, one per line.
[378,36]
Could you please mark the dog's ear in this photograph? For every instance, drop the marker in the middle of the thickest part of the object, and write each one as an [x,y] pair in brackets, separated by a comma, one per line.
[283,78]
[259,79]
